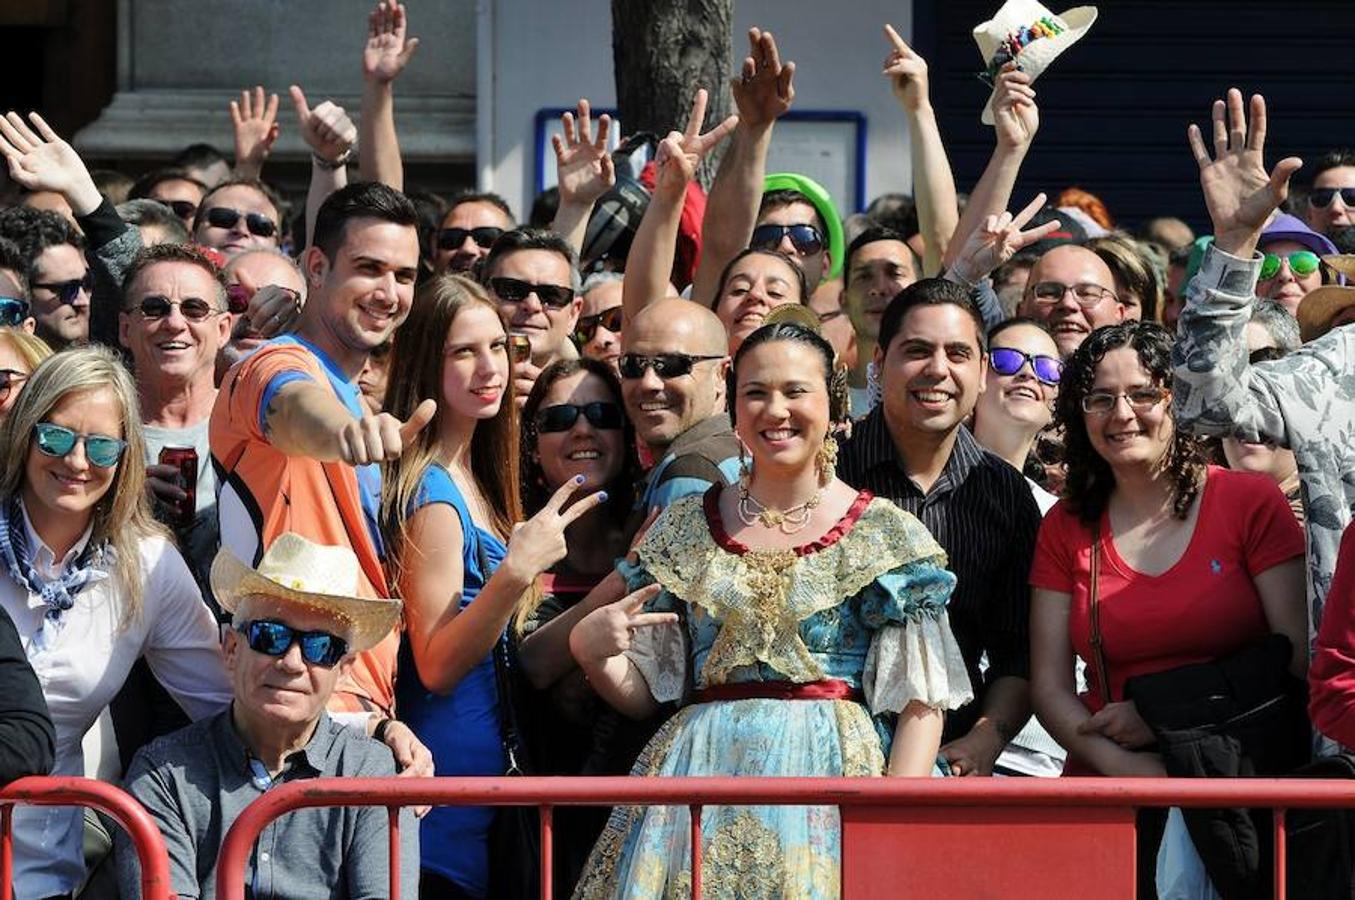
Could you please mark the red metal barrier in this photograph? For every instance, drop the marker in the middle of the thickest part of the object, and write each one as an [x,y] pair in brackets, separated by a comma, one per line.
[965,837]
[70,791]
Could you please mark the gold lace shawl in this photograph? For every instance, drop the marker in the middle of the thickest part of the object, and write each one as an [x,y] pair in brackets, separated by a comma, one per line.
[761,596]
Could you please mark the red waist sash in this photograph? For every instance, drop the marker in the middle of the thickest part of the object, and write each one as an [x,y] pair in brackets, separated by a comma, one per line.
[828,689]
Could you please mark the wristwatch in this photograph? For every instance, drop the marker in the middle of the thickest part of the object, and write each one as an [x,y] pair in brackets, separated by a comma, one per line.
[332,164]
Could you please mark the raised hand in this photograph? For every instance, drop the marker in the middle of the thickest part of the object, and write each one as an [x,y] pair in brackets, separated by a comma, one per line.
[41,161]
[375,439]
[1015,115]
[998,239]
[763,90]
[388,47]
[326,129]
[539,543]
[256,128]
[584,165]
[906,71]
[1239,194]
[682,151]
[608,630]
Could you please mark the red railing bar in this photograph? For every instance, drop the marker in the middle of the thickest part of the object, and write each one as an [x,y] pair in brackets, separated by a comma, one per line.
[694,814]
[6,852]
[547,851]
[393,817]
[1281,863]
[108,799]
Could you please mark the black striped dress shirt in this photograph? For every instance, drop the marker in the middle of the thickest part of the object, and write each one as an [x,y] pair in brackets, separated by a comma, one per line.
[982,514]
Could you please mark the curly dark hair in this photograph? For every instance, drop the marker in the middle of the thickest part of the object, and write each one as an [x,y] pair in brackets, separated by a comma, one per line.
[1090,481]
[620,493]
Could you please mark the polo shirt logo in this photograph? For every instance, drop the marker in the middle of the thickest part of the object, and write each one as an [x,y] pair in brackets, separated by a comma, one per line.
[1215,566]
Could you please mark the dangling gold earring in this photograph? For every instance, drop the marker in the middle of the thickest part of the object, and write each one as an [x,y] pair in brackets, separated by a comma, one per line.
[825,461]
[745,471]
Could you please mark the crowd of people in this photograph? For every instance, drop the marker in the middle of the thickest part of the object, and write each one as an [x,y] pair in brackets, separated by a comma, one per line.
[665,482]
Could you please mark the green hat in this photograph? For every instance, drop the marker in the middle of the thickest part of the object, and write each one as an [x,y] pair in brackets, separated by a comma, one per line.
[816,195]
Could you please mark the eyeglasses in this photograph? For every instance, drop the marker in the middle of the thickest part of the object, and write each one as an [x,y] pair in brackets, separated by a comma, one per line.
[319,648]
[184,209]
[1099,403]
[665,365]
[67,291]
[1321,198]
[454,238]
[1301,263]
[513,290]
[1009,361]
[600,414]
[100,449]
[1087,293]
[194,309]
[13,310]
[225,217]
[8,379]
[587,328]
[806,239]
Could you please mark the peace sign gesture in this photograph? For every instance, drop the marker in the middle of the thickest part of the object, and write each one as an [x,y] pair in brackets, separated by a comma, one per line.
[608,630]
[539,543]
[998,239]
[1238,192]
[584,167]
[682,151]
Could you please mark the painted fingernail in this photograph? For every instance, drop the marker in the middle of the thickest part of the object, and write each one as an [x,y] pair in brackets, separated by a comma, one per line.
[578,479]
[602,496]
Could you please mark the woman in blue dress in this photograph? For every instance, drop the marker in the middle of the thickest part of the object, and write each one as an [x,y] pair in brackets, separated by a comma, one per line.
[451,502]
[811,640]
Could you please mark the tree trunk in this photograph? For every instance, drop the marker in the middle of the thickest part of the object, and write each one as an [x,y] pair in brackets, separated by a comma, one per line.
[662,51]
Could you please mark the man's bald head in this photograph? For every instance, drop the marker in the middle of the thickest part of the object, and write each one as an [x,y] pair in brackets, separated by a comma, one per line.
[1087,299]
[682,326]
[664,404]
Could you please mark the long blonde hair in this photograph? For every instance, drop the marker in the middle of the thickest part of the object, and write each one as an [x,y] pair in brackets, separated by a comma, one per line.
[122,517]
[28,347]
[417,356]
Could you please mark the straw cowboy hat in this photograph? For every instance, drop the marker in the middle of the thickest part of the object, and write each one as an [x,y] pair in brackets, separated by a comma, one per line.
[312,575]
[1321,305]
[1028,32]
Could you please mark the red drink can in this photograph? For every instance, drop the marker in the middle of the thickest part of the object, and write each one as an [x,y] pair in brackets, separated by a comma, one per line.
[185,459]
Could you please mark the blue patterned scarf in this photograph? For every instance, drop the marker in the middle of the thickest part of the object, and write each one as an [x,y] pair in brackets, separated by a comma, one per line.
[58,595]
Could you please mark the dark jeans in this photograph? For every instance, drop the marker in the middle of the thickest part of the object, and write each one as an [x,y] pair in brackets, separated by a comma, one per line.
[433,886]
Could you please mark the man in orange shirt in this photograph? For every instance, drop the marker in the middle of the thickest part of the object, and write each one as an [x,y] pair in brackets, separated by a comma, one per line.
[295,449]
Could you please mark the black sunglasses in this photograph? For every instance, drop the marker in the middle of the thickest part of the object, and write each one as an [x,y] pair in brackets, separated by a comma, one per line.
[184,209]
[225,217]
[609,319]
[513,290]
[13,310]
[665,365]
[194,309]
[1322,197]
[806,239]
[453,238]
[67,291]
[319,648]
[601,414]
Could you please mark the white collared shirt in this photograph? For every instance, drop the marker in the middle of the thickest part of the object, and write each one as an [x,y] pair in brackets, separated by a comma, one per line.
[81,663]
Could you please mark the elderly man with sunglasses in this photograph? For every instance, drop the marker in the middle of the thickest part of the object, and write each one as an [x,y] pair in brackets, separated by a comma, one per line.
[238,215]
[296,626]
[174,322]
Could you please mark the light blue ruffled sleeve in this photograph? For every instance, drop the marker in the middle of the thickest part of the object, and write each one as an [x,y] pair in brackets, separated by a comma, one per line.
[657,651]
[913,655]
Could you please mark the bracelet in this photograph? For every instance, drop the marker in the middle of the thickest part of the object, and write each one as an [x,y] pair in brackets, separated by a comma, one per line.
[331,164]
[379,732]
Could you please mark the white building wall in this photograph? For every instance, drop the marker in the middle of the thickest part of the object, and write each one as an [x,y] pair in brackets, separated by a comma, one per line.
[548,54]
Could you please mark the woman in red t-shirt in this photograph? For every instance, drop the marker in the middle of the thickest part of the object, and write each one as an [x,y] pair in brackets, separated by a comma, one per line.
[1196,561]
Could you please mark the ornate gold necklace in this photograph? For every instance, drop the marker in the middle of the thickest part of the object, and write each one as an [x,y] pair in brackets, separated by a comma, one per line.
[791,520]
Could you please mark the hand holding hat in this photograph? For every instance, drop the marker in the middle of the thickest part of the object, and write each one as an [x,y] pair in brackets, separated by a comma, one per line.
[1029,34]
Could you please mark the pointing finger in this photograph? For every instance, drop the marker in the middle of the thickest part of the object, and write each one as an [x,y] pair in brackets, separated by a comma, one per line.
[563,493]
[894,38]
[583,506]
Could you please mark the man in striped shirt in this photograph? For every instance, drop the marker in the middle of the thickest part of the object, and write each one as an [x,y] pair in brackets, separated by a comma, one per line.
[914,449]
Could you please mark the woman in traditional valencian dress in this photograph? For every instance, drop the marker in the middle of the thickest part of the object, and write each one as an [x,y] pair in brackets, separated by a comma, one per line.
[800,625]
